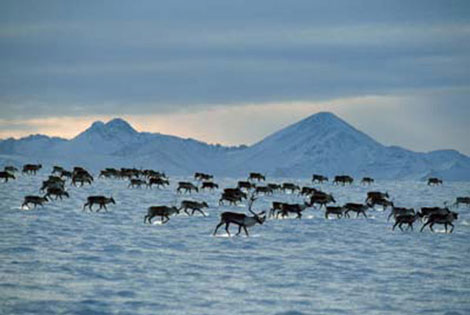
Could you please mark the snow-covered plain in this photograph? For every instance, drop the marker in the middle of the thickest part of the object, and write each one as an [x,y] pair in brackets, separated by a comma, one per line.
[59,259]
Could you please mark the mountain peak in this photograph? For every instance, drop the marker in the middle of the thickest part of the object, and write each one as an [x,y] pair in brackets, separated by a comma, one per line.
[323,118]
[116,127]
[119,125]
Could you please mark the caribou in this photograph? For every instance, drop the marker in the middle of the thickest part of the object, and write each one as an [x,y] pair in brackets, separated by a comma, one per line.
[134,182]
[35,200]
[462,200]
[290,186]
[397,211]
[240,219]
[376,195]
[322,199]
[439,218]
[231,198]
[246,185]
[57,192]
[6,175]
[194,206]
[102,201]
[277,206]
[31,168]
[263,189]
[257,176]
[433,181]
[405,219]
[203,176]
[82,179]
[292,208]
[209,185]
[339,211]
[163,211]
[343,180]
[187,186]
[159,181]
[381,202]
[426,212]
[367,181]
[355,207]
[274,187]
[319,178]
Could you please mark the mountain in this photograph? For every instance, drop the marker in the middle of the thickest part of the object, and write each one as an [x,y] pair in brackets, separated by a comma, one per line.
[321,143]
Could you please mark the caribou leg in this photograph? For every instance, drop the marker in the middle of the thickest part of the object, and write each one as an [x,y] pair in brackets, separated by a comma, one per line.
[217,227]
[246,231]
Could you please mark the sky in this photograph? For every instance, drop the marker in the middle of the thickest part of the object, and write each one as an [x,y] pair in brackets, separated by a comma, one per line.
[232,72]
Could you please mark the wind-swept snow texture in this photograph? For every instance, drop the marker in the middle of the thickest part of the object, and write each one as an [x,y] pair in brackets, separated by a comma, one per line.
[61,260]
[321,143]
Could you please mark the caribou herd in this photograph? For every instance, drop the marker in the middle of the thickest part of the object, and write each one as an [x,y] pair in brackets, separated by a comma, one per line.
[249,190]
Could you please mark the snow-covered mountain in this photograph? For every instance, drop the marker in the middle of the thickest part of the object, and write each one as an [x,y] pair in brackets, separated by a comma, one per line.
[321,143]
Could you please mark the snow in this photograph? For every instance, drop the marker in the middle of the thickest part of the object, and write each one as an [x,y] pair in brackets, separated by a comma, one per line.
[321,143]
[59,259]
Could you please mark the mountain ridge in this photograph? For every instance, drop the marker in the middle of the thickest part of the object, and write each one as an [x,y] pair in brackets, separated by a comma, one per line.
[319,143]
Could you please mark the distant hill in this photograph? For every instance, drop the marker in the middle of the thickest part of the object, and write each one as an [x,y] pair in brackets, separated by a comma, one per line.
[321,143]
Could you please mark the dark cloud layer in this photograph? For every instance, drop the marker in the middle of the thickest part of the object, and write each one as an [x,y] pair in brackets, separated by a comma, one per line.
[160,55]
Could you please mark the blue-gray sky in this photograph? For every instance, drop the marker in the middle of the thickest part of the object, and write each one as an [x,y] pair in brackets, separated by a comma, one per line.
[399,70]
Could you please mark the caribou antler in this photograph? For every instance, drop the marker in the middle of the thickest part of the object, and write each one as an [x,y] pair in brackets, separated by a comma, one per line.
[250,203]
